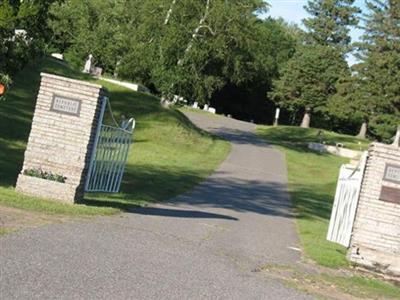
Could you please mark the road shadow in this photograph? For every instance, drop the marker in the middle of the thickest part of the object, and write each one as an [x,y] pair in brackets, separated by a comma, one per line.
[148,184]
[239,195]
[179,213]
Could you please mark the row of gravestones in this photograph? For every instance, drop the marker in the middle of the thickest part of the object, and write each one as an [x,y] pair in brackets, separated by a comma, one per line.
[206,107]
[89,68]
[96,71]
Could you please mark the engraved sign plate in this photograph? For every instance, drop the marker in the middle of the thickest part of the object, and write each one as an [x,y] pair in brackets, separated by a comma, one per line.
[66,106]
[392,173]
[389,194]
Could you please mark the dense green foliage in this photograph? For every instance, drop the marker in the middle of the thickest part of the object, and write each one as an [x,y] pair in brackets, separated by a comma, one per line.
[317,77]
[16,49]
[309,79]
[220,52]
[246,99]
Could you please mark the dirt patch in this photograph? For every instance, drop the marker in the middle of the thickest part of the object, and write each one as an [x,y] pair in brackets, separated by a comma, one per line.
[322,282]
[13,219]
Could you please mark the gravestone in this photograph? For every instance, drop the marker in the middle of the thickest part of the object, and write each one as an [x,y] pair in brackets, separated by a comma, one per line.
[96,71]
[61,138]
[88,64]
[276,119]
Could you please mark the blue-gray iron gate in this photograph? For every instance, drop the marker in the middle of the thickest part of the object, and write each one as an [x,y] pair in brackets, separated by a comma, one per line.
[110,153]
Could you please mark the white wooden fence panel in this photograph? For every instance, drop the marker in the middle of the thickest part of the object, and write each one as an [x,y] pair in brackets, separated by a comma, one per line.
[346,201]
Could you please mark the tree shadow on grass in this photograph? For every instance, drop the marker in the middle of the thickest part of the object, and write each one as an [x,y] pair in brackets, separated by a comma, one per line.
[11,160]
[313,201]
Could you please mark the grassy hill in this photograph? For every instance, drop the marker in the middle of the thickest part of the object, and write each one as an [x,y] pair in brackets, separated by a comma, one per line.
[168,157]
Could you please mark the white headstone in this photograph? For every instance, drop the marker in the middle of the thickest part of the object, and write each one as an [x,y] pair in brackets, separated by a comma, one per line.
[277,112]
[88,64]
[212,110]
[205,107]
[58,56]
[195,105]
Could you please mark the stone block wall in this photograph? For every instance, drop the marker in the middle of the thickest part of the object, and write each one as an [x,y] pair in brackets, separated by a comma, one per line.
[62,135]
[375,240]
[63,192]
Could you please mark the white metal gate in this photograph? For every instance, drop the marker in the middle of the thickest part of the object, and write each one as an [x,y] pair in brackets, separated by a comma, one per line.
[110,152]
[346,201]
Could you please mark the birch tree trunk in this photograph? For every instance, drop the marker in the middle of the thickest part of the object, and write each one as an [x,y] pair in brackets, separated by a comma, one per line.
[195,32]
[169,13]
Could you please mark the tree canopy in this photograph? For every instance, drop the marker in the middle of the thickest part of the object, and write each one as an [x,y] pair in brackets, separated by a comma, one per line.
[222,53]
[309,78]
[24,34]
[190,48]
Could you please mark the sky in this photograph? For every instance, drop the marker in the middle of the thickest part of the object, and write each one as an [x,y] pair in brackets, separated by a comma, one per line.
[293,11]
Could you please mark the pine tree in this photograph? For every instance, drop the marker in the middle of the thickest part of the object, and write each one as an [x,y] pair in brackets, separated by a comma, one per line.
[329,22]
[309,79]
[374,95]
[379,71]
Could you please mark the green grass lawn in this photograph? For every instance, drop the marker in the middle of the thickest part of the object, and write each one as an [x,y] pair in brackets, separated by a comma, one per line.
[312,183]
[365,288]
[168,157]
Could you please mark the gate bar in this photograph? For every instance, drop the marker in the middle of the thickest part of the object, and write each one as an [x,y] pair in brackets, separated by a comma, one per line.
[93,154]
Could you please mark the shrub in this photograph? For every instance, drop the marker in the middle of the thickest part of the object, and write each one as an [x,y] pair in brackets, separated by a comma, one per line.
[39,173]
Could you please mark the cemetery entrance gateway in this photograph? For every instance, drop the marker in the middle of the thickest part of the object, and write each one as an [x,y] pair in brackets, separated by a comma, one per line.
[109,155]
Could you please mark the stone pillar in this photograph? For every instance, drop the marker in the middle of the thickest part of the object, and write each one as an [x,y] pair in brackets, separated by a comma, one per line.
[61,138]
[375,239]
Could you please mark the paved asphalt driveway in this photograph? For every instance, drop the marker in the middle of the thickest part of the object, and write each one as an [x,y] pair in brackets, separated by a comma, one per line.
[202,245]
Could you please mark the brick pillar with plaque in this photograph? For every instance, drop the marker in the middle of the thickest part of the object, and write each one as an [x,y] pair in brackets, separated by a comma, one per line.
[375,241]
[61,139]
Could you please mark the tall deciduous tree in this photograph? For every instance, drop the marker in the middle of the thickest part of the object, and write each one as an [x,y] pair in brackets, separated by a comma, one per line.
[194,47]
